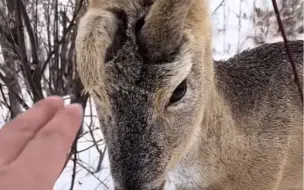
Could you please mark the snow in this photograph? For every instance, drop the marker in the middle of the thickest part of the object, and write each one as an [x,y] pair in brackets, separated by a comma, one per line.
[90,159]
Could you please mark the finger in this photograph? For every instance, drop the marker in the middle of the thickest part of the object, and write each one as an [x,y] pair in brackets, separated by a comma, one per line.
[15,135]
[45,155]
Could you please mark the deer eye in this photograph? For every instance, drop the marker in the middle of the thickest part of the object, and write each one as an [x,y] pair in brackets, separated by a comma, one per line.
[179,92]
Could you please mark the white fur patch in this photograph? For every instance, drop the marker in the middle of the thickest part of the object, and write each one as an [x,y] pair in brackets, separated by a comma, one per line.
[188,176]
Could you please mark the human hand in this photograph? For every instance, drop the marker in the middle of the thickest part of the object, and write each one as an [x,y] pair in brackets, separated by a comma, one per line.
[34,146]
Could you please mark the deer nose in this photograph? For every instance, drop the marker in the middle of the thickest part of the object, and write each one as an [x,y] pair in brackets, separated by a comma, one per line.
[144,188]
[132,186]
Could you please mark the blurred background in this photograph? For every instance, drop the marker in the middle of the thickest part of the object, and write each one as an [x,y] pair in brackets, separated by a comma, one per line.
[37,59]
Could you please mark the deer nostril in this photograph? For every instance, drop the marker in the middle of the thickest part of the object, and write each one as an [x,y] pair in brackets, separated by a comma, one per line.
[144,187]
[162,186]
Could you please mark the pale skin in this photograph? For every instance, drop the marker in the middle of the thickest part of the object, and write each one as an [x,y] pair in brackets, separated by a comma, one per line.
[34,146]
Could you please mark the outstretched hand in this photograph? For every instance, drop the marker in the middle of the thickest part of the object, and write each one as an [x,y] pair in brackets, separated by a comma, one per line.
[34,146]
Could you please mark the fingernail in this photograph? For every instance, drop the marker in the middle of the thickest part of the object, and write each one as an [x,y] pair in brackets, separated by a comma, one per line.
[53,98]
[77,107]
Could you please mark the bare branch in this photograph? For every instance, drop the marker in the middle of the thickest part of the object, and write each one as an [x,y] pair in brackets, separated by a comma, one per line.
[294,68]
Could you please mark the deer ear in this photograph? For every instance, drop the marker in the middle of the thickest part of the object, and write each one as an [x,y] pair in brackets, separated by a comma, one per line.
[96,31]
[162,32]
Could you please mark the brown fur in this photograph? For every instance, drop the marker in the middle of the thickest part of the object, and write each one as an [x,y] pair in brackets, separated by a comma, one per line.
[239,126]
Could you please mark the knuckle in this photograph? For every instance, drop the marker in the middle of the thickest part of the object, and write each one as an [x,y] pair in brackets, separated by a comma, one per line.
[24,128]
[55,134]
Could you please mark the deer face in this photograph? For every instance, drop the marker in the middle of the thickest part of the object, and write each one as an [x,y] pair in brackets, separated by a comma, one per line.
[144,70]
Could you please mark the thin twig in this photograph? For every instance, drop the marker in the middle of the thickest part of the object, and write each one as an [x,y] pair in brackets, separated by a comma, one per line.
[68,29]
[21,101]
[74,151]
[90,172]
[218,7]
[89,147]
[98,168]
[4,98]
[294,69]
[23,53]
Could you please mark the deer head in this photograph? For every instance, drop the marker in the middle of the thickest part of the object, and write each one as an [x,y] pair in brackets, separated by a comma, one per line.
[148,66]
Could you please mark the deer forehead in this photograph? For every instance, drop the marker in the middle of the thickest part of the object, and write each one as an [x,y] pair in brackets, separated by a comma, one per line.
[128,68]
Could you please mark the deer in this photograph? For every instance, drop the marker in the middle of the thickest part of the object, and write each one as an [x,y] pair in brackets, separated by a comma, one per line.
[171,114]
